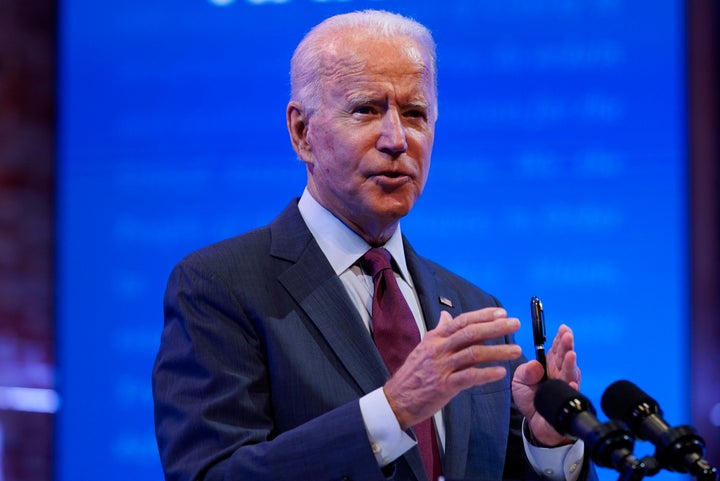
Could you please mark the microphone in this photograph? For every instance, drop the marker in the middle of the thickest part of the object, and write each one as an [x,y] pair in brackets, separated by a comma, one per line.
[609,444]
[678,448]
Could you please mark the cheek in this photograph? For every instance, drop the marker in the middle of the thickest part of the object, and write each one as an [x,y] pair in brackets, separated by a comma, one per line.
[326,142]
[424,155]
[339,154]
[317,141]
[330,167]
[331,147]
[426,171]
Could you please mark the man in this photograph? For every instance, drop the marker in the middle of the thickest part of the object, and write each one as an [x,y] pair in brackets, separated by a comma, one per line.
[268,369]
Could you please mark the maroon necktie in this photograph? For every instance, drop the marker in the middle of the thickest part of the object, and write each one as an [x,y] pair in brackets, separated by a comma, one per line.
[396,334]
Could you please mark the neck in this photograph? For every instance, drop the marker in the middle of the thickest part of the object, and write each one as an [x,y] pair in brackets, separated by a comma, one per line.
[374,230]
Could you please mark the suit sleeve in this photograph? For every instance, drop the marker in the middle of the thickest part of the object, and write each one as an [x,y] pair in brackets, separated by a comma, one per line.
[214,406]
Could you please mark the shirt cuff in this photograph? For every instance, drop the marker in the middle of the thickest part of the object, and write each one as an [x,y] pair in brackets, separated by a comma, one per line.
[387,440]
[563,463]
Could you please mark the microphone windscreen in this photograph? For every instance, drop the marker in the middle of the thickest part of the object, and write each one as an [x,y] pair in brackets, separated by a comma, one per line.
[621,398]
[553,400]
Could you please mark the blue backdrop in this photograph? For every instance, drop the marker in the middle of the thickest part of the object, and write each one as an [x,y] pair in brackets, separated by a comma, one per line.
[560,170]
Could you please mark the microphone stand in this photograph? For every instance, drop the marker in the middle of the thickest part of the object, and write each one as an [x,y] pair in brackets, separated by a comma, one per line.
[610,444]
[681,449]
[636,469]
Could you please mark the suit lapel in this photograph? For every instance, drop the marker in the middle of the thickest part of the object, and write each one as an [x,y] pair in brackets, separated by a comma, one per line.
[310,280]
[436,296]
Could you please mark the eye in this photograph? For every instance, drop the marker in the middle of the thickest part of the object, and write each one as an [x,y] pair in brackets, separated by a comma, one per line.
[364,110]
[416,114]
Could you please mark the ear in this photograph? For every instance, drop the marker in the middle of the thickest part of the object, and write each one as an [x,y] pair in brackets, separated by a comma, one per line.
[297,124]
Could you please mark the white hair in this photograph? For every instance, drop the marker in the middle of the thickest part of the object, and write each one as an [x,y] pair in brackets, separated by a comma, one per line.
[307,61]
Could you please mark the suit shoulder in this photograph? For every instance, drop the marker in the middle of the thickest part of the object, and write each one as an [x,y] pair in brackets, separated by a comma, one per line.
[232,252]
[261,252]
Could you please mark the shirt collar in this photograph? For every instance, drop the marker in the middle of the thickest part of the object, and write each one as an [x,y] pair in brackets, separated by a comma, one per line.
[340,244]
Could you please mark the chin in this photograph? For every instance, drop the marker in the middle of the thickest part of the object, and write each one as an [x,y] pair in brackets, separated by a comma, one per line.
[395,210]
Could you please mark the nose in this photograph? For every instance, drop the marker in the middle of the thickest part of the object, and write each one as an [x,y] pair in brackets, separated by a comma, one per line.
[392,137]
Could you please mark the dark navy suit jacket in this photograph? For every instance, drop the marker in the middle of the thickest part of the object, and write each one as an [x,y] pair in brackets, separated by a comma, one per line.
[263,359]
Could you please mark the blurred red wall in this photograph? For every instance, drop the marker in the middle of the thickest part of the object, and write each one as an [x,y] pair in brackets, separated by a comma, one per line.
[704,149]
[27,137]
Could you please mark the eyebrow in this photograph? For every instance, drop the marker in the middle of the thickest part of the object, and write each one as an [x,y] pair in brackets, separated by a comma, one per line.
[418,104]
[360,98]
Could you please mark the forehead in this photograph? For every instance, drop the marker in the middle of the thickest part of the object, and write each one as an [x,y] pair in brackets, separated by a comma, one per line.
[359,61]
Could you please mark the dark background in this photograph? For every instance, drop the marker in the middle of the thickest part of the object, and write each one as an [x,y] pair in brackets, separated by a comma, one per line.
[28,291]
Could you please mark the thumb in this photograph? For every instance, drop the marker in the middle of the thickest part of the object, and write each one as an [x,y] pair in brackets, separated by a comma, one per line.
[529,373]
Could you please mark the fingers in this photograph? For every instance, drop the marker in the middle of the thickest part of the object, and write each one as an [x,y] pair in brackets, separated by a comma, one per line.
[563,342]
[476,376]
[570,372]
[454,356]
[562,358]
[562,364]
[449,325]
[463,339]
[475,326]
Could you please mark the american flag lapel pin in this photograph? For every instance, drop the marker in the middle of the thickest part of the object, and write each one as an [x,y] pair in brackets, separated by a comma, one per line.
[445,301]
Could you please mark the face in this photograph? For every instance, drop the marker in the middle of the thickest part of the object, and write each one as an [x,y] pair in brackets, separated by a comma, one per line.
[367,146]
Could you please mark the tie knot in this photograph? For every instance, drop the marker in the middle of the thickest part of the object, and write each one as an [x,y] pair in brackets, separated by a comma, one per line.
[376,260]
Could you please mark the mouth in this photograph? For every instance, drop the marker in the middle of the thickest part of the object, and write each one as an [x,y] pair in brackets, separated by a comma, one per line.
[391,179]
[392,175]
